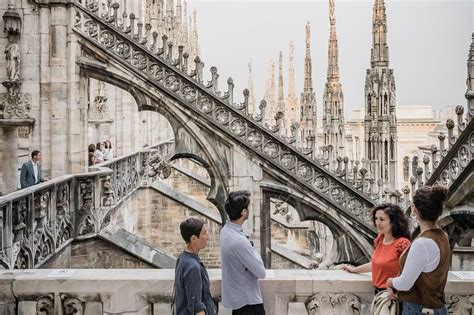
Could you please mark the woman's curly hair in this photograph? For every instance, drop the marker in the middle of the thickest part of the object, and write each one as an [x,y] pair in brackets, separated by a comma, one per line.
[429,201]
[398,220]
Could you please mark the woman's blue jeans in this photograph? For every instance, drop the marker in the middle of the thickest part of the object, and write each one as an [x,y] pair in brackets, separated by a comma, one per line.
[416,309]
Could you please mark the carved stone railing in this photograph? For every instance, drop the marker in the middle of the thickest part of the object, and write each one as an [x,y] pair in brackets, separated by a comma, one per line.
[149,292]
[39,221]
[123,38]
[455,161]
[36,222]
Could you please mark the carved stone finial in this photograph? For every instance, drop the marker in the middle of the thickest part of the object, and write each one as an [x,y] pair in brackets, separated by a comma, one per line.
[406,190]
[450,124]
[459,110]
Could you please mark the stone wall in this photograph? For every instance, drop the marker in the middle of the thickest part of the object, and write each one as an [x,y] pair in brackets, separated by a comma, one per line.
[280,262]
[462,258]
[296,238]
[98,254]
[190,186]
[62,260]
[94,254]
[156,218]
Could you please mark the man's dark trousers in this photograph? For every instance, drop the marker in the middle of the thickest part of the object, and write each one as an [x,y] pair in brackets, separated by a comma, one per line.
[256,309]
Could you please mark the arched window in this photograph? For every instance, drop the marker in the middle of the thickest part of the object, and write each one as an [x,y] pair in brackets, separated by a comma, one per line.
[392,149]
[406,168]
[414,165]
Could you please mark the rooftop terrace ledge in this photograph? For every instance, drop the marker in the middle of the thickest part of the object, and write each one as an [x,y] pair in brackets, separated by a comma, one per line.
[135,291]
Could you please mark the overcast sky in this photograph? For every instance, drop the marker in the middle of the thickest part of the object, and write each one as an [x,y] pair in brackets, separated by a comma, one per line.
[428,42]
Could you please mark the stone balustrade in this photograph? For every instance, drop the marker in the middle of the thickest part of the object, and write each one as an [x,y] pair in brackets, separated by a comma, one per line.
[150,291]
[38,221]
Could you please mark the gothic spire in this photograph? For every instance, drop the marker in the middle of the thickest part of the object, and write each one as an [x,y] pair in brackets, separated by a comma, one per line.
[333,98]
[291,115]
[179,22]
[179,12]
[333,67]
[380,122]
[250,87]
[185,26]
[307,100]
[308,78]
[195,33]
[281,98]
[170,7]
[291,72]
[270,92]
[470,80]
[379,35]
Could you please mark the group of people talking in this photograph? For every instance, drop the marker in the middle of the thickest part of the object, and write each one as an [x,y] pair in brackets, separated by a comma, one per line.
[100,152]
[413,273]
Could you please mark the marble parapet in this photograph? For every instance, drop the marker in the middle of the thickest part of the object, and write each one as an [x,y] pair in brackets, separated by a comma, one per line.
[150,291]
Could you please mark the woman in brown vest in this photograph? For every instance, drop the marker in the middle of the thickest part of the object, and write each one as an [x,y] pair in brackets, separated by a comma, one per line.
[426,263]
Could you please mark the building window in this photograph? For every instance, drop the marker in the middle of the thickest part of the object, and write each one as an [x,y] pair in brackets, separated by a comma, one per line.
[406,168]
[414,165]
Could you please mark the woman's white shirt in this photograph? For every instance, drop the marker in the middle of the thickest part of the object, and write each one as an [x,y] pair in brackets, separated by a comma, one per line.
[108,154]
[424,256]
[99,156]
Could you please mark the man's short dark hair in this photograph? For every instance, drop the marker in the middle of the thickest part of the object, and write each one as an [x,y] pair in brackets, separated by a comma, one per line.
[236,203]
[35,153]
[190,227]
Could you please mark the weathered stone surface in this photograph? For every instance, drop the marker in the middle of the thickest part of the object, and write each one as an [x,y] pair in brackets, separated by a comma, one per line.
[133,245]
[99,254]
[60,261]
[155,217]
[8,309]
[27,307]
[93,308]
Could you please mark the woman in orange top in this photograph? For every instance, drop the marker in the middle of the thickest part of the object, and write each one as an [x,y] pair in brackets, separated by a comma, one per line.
[393,239]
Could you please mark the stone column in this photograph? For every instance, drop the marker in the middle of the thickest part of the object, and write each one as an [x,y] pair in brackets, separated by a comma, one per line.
[9,180]
[58,92]
[265,228]
[76,136]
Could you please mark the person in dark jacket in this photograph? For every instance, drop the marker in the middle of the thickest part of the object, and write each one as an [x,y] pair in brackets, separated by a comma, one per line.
[31,171]
[192,295]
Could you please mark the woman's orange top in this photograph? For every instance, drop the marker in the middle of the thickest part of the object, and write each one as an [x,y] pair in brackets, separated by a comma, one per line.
[385,260]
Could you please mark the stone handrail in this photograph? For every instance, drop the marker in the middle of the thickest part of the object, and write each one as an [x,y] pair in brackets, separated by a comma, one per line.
[126,40]
[39,221]
[149,292]
[456,160]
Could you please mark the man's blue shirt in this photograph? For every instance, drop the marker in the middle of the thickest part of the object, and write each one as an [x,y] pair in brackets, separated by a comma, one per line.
[242,266]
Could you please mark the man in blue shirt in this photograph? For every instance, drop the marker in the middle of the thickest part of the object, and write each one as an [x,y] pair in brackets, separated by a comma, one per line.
[192,295]
[242,267]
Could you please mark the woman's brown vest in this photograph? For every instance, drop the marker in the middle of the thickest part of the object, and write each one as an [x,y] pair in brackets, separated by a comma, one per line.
[428,289]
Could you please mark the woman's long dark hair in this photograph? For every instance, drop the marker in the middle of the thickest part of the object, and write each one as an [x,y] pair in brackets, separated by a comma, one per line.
[398,220]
